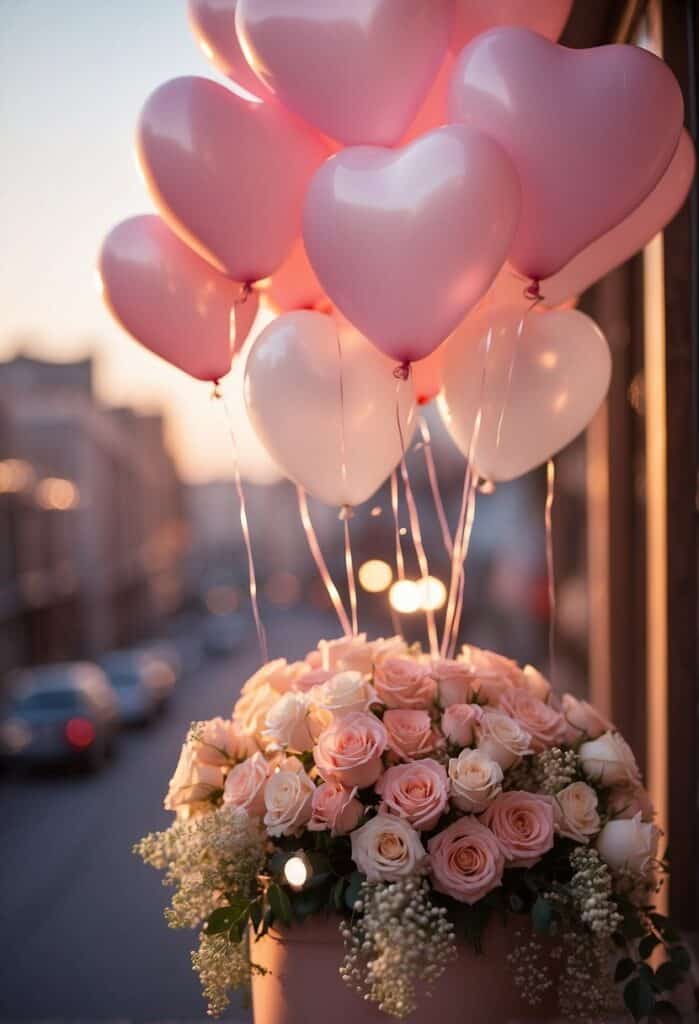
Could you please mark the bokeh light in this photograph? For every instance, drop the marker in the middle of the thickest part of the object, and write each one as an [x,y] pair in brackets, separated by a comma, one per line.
[375,575]
[404,596]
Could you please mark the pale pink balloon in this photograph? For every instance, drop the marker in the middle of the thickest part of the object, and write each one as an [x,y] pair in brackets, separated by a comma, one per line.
[406,241]
[471,17]
[434,110]
[171,300]
[536,378]
[229,175]
[627,238]
[590,132]
[213,24]
[357,71]
[427,377]
[292,389]
[294,285]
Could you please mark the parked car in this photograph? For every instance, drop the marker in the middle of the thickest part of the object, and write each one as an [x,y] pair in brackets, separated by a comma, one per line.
[59,713]
[143,684]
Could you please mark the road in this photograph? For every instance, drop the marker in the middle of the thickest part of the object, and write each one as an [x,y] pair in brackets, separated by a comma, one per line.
[82,932]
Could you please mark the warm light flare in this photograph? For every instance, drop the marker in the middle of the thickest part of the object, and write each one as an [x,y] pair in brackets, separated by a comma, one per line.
[404,597]
[297,870]
[432,593]
[375,575]
[57,494]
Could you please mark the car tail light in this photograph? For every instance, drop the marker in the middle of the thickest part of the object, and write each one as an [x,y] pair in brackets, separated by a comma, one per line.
[80,733]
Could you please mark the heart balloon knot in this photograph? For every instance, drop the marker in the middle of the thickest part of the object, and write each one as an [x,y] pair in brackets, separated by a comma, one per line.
[245,293]
[346,512]
[216,391]
[402,371]
[533,290]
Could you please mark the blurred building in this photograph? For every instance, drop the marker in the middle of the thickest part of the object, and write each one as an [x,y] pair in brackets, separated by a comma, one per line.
[92,527]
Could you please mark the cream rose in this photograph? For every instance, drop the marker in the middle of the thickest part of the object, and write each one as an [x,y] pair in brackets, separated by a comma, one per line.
[609,761]
[454,682]
[387,848]
[502,738]
[545,725]
[344,693]
[193,780]
[536,683]
[245,785]
[336,809]
[401,683]
[459,723]
[576,812]
[523,824]
[466,861]
[349,751]
[347,652]
[220,741]
[418,792]
[629,843]
[410,733]
[626,802]
[252,707]
[584,721]
[474,780]
[288,799]
[288,723]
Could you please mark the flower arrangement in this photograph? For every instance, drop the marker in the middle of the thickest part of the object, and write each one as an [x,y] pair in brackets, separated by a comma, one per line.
[416,799]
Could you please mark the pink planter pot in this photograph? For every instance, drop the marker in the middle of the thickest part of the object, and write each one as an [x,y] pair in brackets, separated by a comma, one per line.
[303,985]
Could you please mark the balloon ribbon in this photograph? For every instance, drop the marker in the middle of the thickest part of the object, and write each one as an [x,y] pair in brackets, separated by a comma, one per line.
[321,564]
[550,572]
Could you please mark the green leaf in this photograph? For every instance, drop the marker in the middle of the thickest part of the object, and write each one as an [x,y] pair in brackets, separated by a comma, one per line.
[666,1011]
[475,920]
[624,969]
[277,861]
[516,903]
[222,919]
[338,893]
[647,945]
[542,915]
[352,892]
[680,958]
[668,977]
[639,998]
[280,903]
[307,902]
[255,912]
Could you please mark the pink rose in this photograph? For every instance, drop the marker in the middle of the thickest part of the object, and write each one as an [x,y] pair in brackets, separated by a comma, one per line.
[349,751]
[314,677]
[387,848]
[454,681]
[502,738]
[584,721]
[537,684]
[410,733]
[459,722]
[335,808]
[575,812]
[401,683]
[347,652]
[545,725]
[251,708]
[491,674]
[466,860]
[193,782]
[245,785]
[288,798]
[220,741]
[523,824]
[418,792]
[628,801]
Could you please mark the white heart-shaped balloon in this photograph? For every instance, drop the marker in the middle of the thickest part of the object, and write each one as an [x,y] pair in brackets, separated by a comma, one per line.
[324,401]
[537,379]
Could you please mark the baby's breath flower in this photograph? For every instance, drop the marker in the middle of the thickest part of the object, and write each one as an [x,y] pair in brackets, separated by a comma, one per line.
[554,769]
[591,889]
[398,938]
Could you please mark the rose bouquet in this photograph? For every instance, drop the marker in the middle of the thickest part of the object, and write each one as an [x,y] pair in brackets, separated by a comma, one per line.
[416,799]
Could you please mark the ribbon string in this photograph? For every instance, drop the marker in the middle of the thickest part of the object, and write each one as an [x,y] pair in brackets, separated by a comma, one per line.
[321,564]
[550,570]
[346,515]
[434,486]
[252,577]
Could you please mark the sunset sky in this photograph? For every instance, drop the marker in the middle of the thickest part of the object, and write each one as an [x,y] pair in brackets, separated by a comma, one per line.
[74,76]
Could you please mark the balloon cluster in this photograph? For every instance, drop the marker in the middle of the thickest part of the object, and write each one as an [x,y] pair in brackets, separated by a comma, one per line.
[420,189]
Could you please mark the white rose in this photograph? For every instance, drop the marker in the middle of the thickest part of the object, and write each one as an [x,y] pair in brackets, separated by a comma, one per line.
[474,780]
[287,724]
[609,761]
[344,693]
[288,799]
[501,738]
[576,812]
[193,780]
[245,785]
[537,684]
[629,843]
[387,848]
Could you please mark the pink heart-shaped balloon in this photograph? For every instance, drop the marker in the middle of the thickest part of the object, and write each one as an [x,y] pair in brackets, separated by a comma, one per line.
[590,133]
[229,175]
[406,241]
[171,300]
[213,24]
[471,17]
[536,379]
[357,71]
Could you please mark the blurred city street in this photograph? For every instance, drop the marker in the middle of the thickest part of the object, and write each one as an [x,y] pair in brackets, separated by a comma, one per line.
[83,935]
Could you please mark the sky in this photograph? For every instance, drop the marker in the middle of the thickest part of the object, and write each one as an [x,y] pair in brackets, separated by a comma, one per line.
[74,75]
